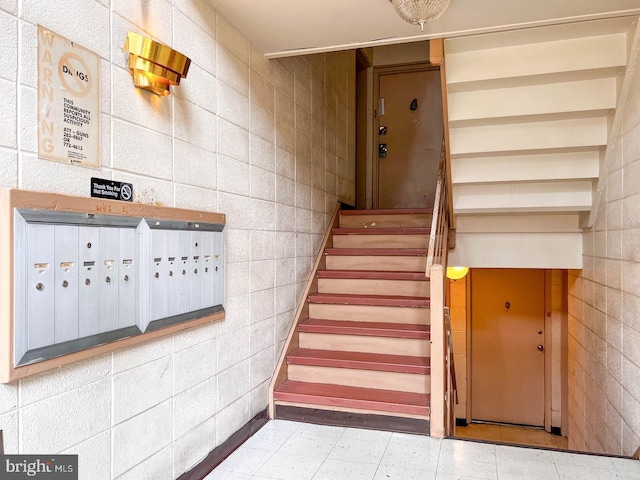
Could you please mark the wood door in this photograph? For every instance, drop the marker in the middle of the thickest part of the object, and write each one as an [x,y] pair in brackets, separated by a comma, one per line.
[412,115]
[507,346]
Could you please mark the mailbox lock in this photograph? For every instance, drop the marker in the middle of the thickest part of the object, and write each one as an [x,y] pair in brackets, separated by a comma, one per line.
[126,278]
[108,279]
[65,284]
[206,269]
[184,272]
[171,273]
[87,282]
[40,287]
[195,271]
[216,269]
[89,245]
[157,275]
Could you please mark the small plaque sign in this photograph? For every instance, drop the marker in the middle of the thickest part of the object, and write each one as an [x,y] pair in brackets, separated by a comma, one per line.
[102,188]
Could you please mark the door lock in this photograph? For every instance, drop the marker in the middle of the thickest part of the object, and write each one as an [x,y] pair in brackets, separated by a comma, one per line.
[382,130]
[382,150]
[540,348]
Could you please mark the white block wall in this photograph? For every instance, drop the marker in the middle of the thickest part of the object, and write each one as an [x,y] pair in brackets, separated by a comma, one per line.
[268,143]
[604,307]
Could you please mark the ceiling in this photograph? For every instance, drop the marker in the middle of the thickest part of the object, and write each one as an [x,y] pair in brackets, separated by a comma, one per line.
[293,27]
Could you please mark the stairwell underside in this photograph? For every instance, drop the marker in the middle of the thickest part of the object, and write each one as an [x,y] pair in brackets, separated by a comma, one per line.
[533,118]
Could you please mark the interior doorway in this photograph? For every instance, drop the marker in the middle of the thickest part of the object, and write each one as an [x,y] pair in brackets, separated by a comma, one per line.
[508,346]
[408,131]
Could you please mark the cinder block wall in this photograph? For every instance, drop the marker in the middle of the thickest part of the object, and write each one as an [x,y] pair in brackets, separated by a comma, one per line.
[269,143]
[604,308]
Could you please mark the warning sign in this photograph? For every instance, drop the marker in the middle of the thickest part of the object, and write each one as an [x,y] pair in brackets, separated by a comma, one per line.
[68,101]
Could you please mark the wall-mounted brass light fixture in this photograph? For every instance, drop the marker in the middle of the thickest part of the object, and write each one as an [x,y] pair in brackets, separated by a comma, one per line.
[155,66]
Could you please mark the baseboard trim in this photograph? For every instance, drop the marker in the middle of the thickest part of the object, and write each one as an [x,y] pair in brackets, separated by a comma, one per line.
[218,454]
[348,419]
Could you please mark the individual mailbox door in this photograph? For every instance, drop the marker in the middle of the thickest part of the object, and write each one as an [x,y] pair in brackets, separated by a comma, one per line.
[108,279]
[196,270]
[173,273]
[183,290]
[159,272]
[88,281]
[40,285]
[66,283]
[127,277]
[207,269]
[218,258]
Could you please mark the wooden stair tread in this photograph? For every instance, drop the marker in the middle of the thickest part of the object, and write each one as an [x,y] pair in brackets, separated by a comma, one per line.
[388,252]
[372,275]
[361,361]
[388,211]
[379,300]
[382,231]
[377,329]
[352,397]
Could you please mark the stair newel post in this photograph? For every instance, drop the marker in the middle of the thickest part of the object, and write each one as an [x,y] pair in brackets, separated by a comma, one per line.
[438,365]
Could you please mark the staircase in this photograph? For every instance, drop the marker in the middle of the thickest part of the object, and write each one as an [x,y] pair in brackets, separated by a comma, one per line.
[361,346]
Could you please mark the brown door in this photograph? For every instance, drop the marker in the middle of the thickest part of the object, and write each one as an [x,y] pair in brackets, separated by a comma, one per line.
[507,346]
[410,108]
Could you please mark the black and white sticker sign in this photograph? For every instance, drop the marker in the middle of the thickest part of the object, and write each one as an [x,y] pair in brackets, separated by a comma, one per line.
[102,188]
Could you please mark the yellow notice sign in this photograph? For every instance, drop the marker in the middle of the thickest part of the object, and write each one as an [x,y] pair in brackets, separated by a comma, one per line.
[68,101]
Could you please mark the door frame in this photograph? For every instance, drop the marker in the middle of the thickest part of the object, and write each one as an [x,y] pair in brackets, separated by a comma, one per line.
[377,73]
[547,358]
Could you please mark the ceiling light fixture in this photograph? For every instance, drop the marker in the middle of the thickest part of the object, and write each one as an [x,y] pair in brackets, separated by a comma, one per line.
[419,12]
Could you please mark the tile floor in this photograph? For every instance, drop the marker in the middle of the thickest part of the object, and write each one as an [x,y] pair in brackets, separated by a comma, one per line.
[511,434]
[298,451]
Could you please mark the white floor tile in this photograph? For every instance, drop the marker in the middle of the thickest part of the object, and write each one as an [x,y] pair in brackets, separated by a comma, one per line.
[573,472]
[507,452]
[450,476]
[628,468]
[481,452]
[308,444]
[386,472]
[362,451]
[340,470]
[287,425]
[415,456]
[467,467]
[222,475]
[517,469]
[285,450]
[321,430]
[268,439]
[594,461]
[368,435]
[283,466]
[245,460]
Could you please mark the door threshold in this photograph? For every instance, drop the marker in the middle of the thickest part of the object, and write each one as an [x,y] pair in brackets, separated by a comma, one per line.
[510,434]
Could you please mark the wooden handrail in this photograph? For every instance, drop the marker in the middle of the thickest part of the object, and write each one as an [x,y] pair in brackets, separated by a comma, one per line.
[437,57]
[451,388]
[440,217]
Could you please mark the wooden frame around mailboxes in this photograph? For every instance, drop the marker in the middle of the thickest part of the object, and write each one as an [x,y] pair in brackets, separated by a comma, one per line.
[10,199]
